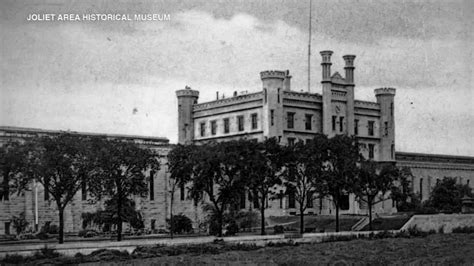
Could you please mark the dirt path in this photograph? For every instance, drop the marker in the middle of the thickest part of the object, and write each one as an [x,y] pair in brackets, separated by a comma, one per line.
[453,249]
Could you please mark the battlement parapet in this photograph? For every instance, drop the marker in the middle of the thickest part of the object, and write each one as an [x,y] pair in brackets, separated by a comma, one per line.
[272,74]
[187,92]
[302,95]
[366,104]
[385,91]
[228,101]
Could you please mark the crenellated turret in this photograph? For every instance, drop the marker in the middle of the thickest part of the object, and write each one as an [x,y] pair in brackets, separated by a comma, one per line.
[186,99]
[386,98]
[273,82]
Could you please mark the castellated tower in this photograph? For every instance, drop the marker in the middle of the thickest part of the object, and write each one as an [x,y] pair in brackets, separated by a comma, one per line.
[186,99]
[385,98]
[273,86]
[327,99]
[349,77]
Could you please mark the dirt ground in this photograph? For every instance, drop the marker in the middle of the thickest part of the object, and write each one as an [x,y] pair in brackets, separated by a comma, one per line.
[441,249]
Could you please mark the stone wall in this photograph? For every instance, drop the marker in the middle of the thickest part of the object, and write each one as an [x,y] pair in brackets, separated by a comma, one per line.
[448,222]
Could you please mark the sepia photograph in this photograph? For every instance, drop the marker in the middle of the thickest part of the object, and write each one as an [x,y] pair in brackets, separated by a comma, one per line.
[264,132]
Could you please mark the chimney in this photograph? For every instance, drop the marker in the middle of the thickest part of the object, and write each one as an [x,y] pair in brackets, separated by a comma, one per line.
[287,81]
[326,65]
[217,95]
[349,68]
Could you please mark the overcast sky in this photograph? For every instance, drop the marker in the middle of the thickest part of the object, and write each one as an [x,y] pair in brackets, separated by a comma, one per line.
[121,76]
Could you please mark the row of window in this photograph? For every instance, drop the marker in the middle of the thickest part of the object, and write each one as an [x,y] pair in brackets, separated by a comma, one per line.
[226,122]
[290,119]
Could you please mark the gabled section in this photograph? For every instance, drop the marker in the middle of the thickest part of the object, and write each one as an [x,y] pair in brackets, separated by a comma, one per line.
[337,78]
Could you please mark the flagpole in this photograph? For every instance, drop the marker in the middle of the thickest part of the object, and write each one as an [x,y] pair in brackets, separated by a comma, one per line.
[309,47]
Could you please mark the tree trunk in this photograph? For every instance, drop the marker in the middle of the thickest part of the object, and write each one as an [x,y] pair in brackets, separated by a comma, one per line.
[337,217]
[171,215]
[301,220]
[370,214]
[262,217]
[119,219]
[61,225]
[219,223]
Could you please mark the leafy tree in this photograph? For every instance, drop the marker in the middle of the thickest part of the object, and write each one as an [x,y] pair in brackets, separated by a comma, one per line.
[447,195]
[12,164]
[180,166]
[121,168]
[215,174]
[261,166]
[304,173]
[108,216]
[373,184]
[402,193]
[340,172]
[60,163]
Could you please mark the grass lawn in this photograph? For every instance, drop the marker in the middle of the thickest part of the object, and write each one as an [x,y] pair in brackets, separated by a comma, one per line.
[442,249]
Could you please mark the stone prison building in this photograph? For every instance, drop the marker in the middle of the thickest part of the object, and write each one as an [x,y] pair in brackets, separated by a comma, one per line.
[275,110]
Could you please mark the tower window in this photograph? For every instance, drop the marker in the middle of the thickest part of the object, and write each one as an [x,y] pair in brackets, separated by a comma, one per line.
[226,125]
[152,185]
[291,141]
[213,127]
[46,187]
[254,121]
[421,188]
[386,128]
[341,124]
[356,127]
[308,124]
[291,199]
[371,151]
[84,188]
[202,129]
[310,200]
[291,119]
[371,128]
[334,119]
[391,109]
[272,116]
[240,122]
[392,152]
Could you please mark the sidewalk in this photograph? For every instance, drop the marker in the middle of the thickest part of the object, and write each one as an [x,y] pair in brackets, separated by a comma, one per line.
[87,247]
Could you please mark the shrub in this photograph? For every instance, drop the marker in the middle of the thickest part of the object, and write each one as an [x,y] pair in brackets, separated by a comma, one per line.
[232,228]
[87,233]
[19,223]
[416,232]
[13,259]
[278,229]
[53,229]
[46,253]
[109,254]
[49,228]
[464,229]
[42,235]
[247,219]
[181,224]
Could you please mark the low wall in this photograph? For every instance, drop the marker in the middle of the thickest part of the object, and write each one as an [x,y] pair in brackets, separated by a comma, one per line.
[426,222]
